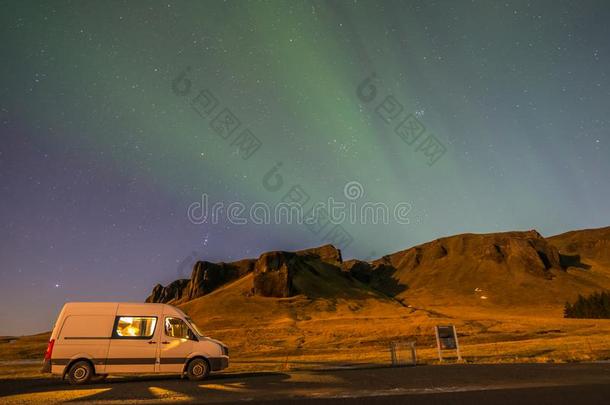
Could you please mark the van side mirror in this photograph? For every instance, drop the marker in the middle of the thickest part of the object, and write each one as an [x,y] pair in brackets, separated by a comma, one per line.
[191,336]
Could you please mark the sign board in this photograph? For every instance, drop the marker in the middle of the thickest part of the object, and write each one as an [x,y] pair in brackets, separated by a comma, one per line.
[446,336]
[446,339]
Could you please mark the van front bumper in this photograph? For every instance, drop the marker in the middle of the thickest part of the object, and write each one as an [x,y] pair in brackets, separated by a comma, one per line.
[46,366]
[219,363]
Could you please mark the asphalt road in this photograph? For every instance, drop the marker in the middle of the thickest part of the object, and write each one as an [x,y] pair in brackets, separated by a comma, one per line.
[582,383]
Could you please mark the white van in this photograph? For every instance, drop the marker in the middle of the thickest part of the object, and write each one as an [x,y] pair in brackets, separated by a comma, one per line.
[93,339]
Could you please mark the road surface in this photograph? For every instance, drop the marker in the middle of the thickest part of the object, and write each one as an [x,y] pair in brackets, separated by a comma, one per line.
[582,383]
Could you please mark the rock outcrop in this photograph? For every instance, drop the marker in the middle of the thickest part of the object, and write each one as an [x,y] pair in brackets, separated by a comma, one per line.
[327,253]
[172,292]
[205,278]
[273,274]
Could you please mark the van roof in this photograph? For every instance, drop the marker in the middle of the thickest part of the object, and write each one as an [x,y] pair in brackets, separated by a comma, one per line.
[120,308]
[109,303]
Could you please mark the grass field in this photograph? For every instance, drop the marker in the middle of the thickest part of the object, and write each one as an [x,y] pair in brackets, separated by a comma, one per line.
[299,332]
[345,336]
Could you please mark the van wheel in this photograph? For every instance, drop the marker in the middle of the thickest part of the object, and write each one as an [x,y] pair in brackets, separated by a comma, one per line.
[198,369]
[80,372]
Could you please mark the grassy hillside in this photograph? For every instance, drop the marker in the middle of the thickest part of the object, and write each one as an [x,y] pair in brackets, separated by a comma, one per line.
[24,347]
[593,245]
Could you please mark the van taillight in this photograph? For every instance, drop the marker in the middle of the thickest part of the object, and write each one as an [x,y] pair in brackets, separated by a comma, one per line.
[49,352]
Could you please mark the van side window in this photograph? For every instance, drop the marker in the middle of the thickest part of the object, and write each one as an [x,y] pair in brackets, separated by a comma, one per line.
[177,328]
[134,327]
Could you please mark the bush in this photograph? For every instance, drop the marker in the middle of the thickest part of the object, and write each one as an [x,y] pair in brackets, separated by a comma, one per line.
[596,305]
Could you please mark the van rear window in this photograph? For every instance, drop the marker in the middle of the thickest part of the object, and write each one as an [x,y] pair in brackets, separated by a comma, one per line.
[135,327]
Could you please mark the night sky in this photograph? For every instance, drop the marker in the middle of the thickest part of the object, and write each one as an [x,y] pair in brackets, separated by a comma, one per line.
[104,148]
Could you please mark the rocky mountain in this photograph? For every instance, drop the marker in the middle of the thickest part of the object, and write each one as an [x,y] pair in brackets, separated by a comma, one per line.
[273,274]
[506,269]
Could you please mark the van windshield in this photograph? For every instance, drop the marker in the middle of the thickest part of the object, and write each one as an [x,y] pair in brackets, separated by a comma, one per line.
[193,326]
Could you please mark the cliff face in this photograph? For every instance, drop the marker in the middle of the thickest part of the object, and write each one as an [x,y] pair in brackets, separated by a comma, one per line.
[173,291]
[209,276]
[273,274]
[327,254]
[277,274]
[205,278]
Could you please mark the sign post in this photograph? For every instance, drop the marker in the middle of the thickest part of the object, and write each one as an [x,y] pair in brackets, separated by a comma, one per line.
[446,339]
[397,353]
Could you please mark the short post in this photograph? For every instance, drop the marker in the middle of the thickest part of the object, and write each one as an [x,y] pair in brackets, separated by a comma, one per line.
[413,353]
[457,344]
[438,345]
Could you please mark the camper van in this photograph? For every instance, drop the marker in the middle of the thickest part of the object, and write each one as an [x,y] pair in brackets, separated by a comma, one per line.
[93,339]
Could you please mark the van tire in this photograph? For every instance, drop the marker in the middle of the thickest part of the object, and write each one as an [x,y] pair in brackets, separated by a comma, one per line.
[80,372]
[197,369]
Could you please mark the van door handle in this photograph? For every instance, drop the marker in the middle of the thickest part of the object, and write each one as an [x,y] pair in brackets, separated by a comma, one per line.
[164,343]
[151,343]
